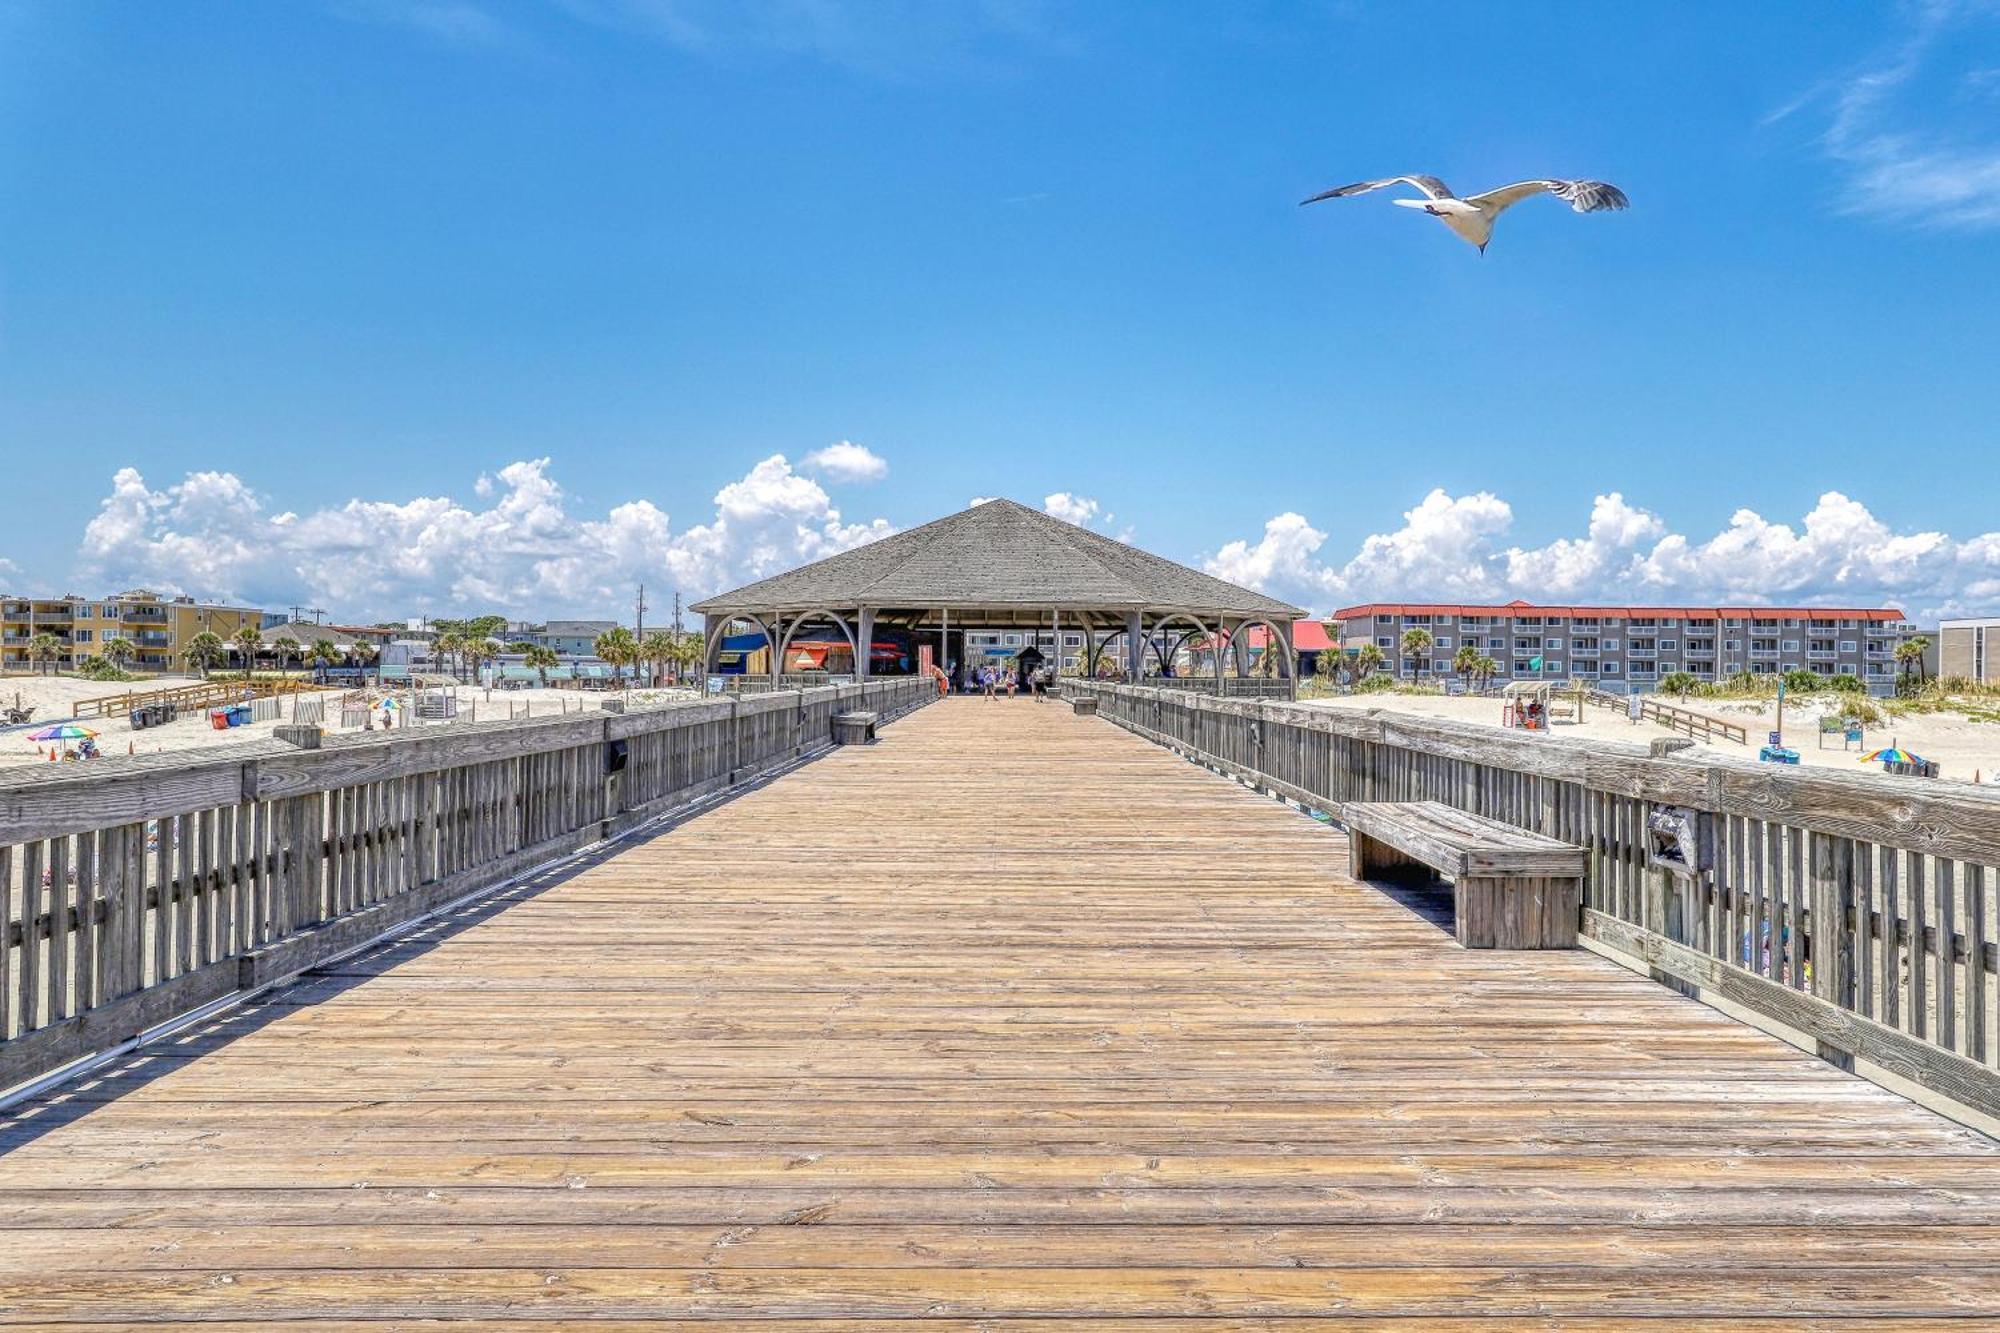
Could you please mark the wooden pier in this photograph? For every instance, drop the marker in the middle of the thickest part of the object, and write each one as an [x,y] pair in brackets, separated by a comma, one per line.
[1012,1015]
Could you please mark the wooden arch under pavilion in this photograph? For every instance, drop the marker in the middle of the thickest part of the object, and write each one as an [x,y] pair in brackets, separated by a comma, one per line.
[1000,565]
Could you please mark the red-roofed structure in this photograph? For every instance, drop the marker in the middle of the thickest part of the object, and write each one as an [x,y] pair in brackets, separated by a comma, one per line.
[1632,647]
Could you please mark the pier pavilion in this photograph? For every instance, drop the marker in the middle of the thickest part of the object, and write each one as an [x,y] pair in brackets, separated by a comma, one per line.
[1003,566]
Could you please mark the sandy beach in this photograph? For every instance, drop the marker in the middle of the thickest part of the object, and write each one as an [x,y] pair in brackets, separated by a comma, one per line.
[1963,748]
[53,697]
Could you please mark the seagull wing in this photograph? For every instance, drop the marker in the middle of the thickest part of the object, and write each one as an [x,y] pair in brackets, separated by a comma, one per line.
[1583,196]
[1432,187]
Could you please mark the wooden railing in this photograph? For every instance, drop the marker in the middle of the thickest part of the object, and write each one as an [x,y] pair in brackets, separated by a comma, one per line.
[135,891]
[203,694]
[1230,687]
[1856,910]
[1698,726]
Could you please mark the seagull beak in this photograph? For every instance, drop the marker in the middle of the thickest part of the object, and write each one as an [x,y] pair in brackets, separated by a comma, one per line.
[1482,247]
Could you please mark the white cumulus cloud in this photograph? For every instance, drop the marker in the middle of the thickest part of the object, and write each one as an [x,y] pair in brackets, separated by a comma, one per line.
[522,546]
[1454,548]
[1077,509]
[847,461]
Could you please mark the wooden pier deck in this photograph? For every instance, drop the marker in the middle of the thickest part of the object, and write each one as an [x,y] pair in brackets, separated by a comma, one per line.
[1012,1016]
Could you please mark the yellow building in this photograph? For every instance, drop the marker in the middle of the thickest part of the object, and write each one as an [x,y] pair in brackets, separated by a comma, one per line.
[158,628]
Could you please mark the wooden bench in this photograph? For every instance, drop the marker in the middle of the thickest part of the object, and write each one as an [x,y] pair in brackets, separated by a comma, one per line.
[1511,889]
[854,728]
[1084,705]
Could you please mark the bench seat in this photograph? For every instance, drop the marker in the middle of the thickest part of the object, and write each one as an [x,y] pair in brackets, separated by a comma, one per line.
[855,728]
[1511,889]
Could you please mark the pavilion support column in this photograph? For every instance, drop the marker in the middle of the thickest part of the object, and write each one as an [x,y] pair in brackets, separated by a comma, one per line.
[713,627]
[1135,647]
[864,643]
[1215,645]
[1291,663]
[776,638]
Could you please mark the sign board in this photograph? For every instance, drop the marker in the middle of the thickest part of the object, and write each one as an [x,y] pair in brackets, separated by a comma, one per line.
[1635,707]
[715,684]
[924,659]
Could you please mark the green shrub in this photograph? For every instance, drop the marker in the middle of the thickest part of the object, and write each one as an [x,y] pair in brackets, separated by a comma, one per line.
[1804,682]
[103,668]
[1682,683]
[1848,683]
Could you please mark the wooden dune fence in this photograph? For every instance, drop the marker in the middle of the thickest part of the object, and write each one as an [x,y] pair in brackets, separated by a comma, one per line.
[135,892]
[1858,910]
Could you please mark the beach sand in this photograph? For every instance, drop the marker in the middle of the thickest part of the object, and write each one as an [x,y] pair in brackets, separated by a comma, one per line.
[1961,747]
[53,697]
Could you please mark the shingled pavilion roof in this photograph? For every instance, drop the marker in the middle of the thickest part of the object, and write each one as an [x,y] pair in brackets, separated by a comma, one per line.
[997,556]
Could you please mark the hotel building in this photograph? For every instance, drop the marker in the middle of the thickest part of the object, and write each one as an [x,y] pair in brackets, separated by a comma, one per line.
[1628,648]
[157,627]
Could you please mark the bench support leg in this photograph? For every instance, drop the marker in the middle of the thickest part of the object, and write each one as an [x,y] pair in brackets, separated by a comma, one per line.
[1517,911]
[1368,858]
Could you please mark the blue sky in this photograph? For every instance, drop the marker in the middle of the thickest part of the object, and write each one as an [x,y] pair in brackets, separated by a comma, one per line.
[295,299]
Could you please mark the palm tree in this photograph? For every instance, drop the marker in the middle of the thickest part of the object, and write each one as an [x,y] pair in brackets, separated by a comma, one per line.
[1910,655]
[1368,660]
[203,651]
[287,648]
[1465,661]
[1416,642]
[1487,669]
[617,647]
[118,650]
[1679,683]
[541,657]
[248,641]
[656,650]
[324,654]
[44,649]
[363,654]
[445,649]
[689,651]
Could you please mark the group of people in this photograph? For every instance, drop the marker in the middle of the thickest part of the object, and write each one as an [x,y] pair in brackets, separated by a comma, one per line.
[991,680]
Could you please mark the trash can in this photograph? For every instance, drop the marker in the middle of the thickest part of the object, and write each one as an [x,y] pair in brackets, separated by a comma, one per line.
[139,719]
[219,718]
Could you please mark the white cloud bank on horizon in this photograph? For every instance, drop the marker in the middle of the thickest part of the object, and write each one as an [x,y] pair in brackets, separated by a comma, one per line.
[523,550]
[1452,548]
[523,547]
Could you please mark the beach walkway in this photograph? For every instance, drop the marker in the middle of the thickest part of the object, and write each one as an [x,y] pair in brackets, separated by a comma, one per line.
[1010,1016]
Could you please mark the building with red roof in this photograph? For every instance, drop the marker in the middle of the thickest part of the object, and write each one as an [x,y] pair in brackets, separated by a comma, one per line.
[1624,648]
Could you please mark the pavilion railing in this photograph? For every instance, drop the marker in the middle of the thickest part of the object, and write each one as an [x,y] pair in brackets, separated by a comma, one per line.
[135,891]
[1228,687]
[1858,911]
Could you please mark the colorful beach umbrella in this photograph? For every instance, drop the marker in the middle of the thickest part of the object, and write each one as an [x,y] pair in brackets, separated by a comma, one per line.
[62,731]
[1892,755]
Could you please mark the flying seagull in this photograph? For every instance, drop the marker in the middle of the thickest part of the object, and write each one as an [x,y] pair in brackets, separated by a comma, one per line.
[1473,218]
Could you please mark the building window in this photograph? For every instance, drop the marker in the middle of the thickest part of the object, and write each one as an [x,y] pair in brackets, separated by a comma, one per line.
[1442,641]
[1385,642]
[1495,645]
[1667,645]
[1552,645]
[1611,645]
[1849,645]
[83,635]
[1610,668]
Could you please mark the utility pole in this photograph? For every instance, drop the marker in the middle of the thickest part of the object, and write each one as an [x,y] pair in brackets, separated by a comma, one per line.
[639,619]
[677,636]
